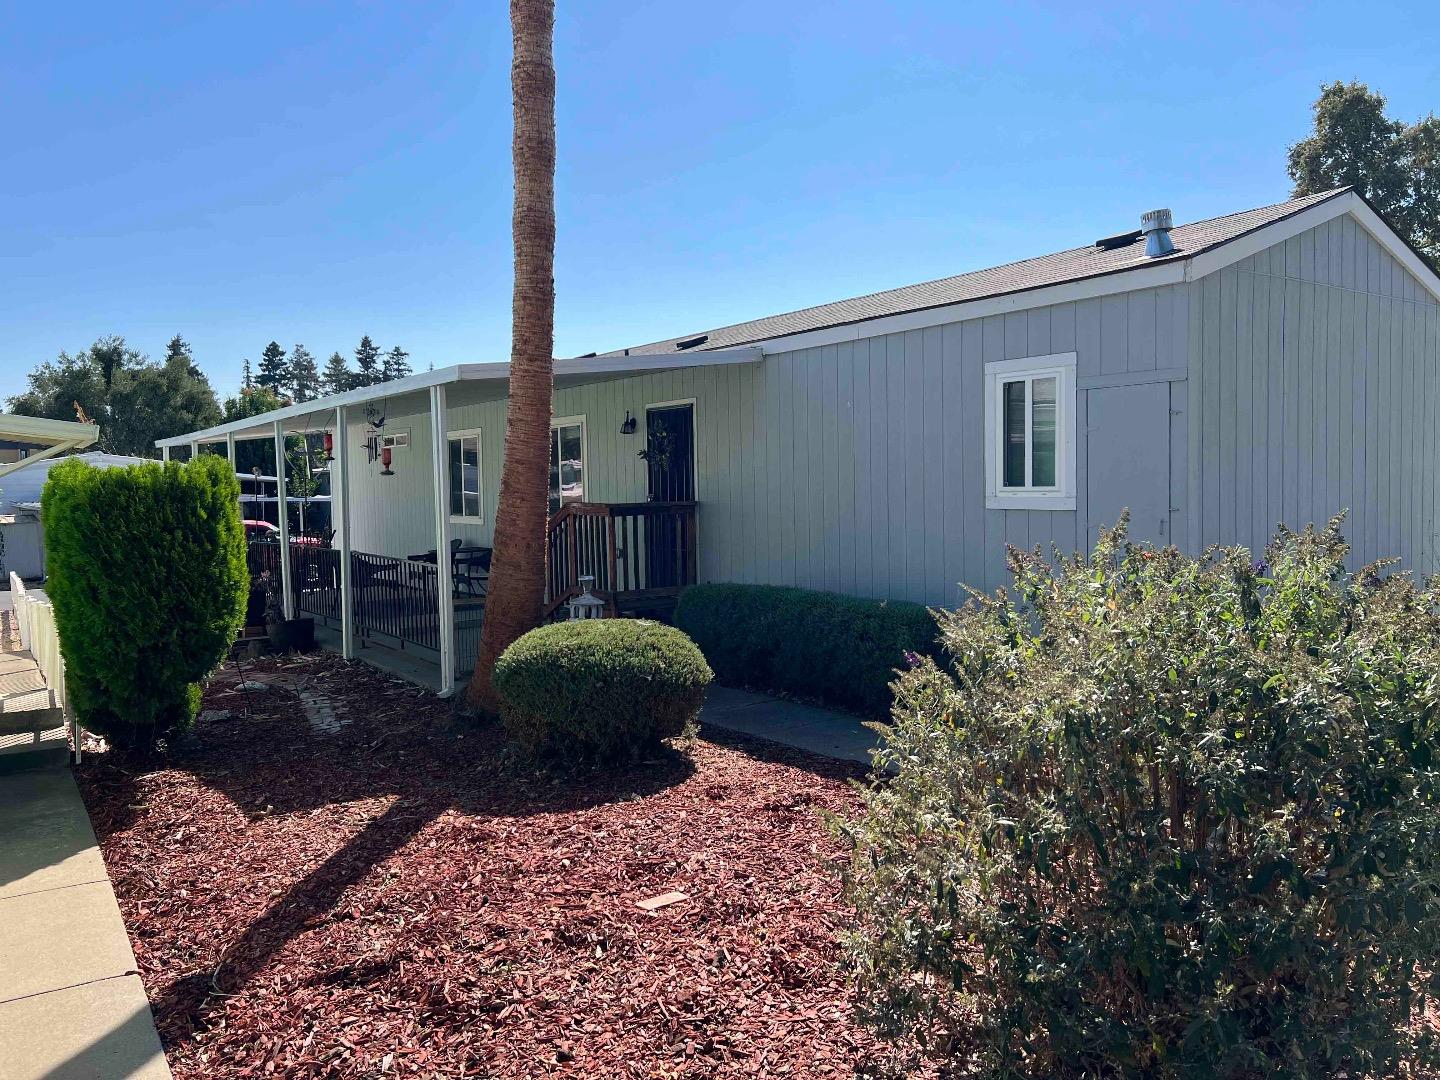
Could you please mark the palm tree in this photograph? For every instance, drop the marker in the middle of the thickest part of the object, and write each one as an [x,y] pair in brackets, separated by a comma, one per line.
[516,599]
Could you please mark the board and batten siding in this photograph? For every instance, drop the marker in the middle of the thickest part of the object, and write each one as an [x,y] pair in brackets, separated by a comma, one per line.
[856,467]
[1317,375]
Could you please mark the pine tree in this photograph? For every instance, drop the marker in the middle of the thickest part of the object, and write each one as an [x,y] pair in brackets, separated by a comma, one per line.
[274,372]
[368,369]
[246,382]
[337,377]
[179,349]
[397,364]
[304,375]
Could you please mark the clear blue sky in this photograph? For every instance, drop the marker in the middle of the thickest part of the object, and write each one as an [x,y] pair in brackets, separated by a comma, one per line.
[311,172]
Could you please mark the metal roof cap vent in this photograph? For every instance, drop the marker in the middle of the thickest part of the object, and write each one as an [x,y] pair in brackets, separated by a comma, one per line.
[1156,225]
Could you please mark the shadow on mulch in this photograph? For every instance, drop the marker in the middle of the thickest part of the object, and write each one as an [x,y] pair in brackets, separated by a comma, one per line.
[399,744]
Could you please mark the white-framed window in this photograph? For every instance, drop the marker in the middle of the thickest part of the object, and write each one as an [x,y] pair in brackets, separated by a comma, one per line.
[567,461]
[467,504]
[396,439]
[1030,433]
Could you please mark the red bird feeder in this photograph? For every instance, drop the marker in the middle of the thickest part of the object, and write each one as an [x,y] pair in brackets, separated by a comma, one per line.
[329,447]
[385,455]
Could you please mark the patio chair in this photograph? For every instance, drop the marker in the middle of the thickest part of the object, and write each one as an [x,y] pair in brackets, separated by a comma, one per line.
[472,570]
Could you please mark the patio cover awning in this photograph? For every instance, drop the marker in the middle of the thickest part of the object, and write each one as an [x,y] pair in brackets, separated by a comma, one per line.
[53,436]
[317,415]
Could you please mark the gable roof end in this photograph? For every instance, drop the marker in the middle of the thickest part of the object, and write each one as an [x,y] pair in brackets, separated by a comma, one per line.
[1201,247]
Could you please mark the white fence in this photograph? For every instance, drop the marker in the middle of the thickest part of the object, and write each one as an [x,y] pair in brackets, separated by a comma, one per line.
[36,619]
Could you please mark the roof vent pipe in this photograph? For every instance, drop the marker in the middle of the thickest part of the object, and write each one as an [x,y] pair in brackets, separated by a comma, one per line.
[1156,225]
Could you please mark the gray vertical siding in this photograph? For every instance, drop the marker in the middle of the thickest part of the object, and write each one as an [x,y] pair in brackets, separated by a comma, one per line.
[856,467]
[1317,374]
[1310,370]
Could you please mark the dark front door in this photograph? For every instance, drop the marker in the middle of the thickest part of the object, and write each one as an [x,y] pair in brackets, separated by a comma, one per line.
[670,459]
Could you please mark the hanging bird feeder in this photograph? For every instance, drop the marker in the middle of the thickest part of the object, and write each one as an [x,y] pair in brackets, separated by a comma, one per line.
[329,441]
[385,455]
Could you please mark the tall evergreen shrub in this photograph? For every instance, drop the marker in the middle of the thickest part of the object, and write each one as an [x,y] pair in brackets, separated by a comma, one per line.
[147,576]
[1165,818]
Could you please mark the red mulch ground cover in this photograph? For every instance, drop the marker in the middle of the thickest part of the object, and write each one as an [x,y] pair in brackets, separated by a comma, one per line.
[389,901]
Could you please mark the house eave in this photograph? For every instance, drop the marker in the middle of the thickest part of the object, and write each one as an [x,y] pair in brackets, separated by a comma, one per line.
[262,425]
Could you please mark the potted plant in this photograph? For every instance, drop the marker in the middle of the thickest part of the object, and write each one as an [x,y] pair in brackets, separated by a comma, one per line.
[286,635]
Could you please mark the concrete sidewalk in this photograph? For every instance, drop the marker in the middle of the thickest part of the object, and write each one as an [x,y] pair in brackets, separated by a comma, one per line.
[820,731]
[71,1003]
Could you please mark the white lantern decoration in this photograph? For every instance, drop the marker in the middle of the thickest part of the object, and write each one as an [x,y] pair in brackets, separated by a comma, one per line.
[587,605]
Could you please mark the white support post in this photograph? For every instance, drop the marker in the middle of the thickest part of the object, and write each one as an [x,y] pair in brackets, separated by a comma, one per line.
[444,569]
[164,453]
[230,449]
[340,522]
[283,519]
[194,449]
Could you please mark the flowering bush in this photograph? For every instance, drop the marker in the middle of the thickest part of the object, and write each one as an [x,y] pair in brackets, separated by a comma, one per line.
[1166,817]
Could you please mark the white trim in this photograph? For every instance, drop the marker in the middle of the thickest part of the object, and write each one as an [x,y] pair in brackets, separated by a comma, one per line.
[1171,272]
[694,439]
[340,522]
[476,434]
[444,568]
[557,422]
[258,426]
[1062,496]
[287,596]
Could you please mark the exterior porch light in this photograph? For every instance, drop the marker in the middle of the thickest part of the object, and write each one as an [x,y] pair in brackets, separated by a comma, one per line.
[587,605]
[628,427]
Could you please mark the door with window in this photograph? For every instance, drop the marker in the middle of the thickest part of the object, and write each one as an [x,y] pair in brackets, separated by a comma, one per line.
[1128,460]
[567,461]
[670,464]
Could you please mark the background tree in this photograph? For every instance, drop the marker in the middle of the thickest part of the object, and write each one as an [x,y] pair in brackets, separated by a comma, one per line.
[1394,165]
[368,368]
[518,594]
[246,379]
[155,401]
[397,364]
[337,377]
[304,382]
[250,453]
[133,400]
[274,371]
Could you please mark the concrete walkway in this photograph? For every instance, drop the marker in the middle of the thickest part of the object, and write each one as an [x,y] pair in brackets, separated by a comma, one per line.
[820,731]
[71,1004]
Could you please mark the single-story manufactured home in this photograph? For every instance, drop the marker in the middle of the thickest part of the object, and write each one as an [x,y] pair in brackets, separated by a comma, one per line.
[1215,378]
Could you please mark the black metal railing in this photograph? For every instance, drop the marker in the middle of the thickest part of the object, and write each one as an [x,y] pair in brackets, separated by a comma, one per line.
[396,598]
[314,574]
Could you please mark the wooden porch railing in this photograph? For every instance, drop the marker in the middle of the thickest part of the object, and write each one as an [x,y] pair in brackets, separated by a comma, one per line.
[636,552]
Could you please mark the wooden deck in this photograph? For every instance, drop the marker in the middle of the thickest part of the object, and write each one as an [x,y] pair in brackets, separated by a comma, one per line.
[641,555]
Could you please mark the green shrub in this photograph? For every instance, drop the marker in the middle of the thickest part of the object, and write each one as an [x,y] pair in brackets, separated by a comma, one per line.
[1168,817]
[841,650]
[147,575]
[599,689]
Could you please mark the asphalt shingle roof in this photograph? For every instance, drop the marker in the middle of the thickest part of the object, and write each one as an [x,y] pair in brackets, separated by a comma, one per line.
[1062,266]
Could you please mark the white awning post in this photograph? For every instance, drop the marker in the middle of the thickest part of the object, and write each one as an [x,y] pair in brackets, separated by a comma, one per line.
[164,453]
[444,569]
[194,449]
[230,448]
[283,513]
[340,522]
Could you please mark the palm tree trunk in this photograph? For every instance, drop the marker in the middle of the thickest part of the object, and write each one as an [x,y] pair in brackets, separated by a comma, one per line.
[517,597]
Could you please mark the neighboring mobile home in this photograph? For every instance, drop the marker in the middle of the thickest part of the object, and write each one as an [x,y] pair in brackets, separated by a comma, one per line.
[1215,378]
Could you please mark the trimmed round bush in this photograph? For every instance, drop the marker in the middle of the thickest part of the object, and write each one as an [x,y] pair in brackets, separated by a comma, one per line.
[841,650]
[147,577]
[1165,818]
[599,689]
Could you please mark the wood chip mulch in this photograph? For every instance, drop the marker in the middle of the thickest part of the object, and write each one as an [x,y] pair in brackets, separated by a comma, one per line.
[392,900]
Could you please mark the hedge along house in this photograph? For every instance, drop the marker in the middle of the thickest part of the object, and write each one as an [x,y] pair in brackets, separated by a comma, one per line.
[1215,378]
